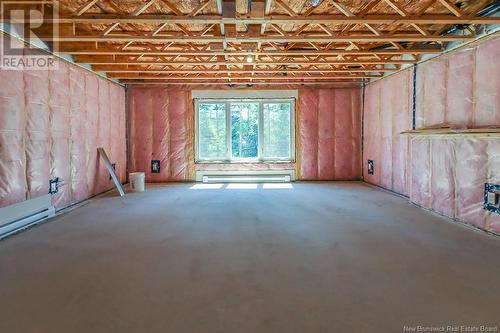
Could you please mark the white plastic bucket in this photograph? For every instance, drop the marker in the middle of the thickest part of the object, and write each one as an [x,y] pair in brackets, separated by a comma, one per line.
[137,181]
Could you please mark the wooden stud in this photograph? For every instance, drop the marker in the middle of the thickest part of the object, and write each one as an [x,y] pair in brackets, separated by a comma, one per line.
[452,8]
[85,7]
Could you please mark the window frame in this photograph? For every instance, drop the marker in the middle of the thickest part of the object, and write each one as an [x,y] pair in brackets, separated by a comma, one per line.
[260,149]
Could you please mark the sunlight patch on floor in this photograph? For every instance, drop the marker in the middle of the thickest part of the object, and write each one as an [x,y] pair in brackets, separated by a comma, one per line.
[242,186]
[206,187]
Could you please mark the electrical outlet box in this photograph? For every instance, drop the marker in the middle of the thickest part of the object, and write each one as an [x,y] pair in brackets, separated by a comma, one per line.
[371,167]
[54,185]
[155,166]
[492,197]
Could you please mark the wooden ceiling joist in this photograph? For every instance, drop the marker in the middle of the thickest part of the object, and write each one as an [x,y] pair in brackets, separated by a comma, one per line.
[218,42]
[276,19]
[334,52]
[239,63]
[452,8]
[337,83]
[242,77]
[86,6]
[273,39]
[235,71]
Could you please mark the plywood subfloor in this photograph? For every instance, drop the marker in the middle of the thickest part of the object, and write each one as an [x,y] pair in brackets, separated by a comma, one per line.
[321,257]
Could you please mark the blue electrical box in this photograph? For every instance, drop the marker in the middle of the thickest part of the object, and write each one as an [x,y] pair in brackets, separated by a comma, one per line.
[492,197]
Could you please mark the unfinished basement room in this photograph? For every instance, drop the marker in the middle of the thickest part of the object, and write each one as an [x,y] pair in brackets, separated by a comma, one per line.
[249,166]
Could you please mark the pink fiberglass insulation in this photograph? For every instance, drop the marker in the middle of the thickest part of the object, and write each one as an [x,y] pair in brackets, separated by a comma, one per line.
[49,127]
[141,129]
[487,83]
[372,134]
[329,133]
[431,101]
[420,182]
[37,132]
[448,176]
[103,135]
[388,113]
[347,134]
[122,128]
[308,133]
[160,126]
[60,132]
[443,176]
[12,122]
[471,173]
[92,121]
[112,131]
[326,133]
[178,107]
[160,130]
[401,121]
[460,89]
[118,126]
[79,189]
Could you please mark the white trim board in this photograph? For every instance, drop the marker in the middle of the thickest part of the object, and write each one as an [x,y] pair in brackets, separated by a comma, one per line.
[228,94]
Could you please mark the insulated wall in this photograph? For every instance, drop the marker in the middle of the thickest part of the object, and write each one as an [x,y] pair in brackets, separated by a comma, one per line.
[161,128]
[460,89]
[449,173]
[328,135]
[442,173]
[51,124]
[388,112]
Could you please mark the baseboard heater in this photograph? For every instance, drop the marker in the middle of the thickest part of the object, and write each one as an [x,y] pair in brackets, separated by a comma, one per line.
[266,176]
[19,216]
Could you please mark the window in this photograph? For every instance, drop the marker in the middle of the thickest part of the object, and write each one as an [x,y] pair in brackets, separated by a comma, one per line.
[212,131]
[244,130]
[277,134]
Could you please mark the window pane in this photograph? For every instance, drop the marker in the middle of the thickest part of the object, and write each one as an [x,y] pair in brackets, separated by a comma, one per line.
[245,130]
[212,131]
[277,123]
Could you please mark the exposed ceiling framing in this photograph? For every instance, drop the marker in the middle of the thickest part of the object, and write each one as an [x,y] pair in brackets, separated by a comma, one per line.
[259,41]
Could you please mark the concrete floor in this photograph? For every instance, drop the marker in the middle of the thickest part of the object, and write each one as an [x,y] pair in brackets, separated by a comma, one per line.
[321,257]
